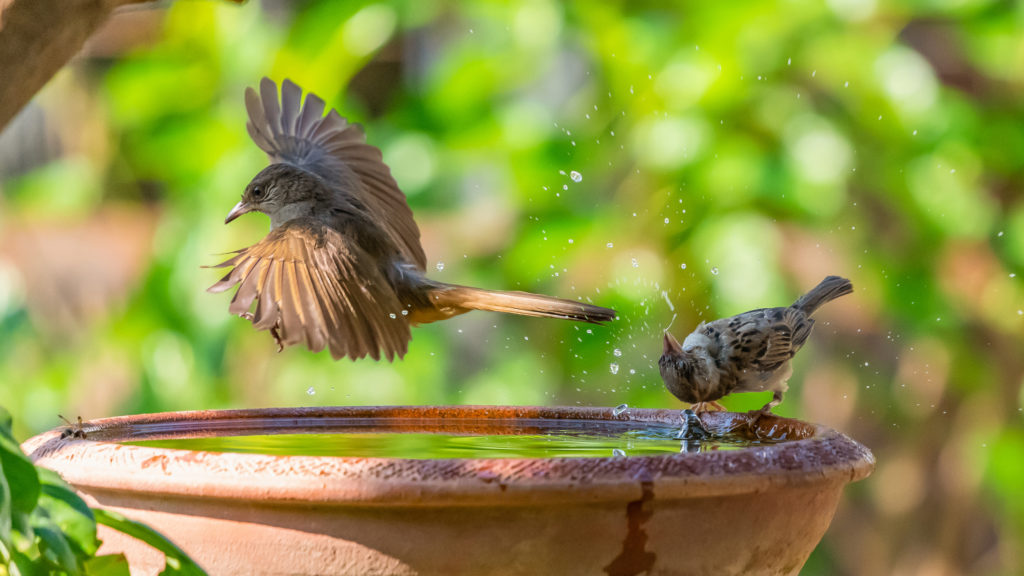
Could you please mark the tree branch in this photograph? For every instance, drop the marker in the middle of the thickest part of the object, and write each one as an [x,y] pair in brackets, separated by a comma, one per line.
[37,37]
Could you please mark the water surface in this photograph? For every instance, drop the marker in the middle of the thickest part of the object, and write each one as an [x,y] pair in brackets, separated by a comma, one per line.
[440,439]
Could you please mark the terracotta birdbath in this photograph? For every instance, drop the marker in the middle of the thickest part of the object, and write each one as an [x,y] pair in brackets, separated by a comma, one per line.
[756,510]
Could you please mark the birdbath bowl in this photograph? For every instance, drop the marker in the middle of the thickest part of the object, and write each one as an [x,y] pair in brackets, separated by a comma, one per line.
[760,509]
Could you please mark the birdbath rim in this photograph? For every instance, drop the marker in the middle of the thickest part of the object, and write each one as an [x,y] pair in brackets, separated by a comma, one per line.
[102,462]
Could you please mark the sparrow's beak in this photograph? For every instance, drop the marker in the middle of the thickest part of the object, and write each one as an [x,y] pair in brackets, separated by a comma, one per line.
[671,345]
[238,210]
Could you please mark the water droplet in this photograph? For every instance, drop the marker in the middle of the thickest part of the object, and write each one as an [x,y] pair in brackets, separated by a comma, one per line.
[311,391]
[617,352]
[392,316]
[682,266]
[1013,274]
[636,264]
[610,245]
[620,409]
[1000,234]
[405,312]
[666,220]
[440,265]
[576,176]
[714,270]
[570,240]
[618,453]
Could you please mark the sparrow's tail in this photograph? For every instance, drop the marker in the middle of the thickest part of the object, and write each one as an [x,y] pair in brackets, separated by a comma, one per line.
[451,299]
[830,288]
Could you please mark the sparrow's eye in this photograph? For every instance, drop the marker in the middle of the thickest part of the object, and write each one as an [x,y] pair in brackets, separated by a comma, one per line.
[257,192]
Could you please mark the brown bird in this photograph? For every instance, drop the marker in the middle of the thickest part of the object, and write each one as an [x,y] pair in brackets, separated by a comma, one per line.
[342,266]
[749,352]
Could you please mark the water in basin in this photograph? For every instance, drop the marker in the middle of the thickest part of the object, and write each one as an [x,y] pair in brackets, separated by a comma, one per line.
[428,439]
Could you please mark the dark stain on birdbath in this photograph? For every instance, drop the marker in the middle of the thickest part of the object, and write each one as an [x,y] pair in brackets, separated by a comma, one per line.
[634,558]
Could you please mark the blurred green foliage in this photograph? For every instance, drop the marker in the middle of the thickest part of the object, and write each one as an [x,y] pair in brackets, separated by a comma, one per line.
[730,156]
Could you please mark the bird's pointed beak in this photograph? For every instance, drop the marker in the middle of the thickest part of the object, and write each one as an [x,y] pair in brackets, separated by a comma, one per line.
[238,210]
[671,345]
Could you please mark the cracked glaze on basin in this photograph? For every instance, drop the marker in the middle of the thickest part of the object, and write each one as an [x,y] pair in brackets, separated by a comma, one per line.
[758,510]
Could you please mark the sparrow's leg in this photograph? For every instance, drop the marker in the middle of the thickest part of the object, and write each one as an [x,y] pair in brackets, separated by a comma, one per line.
[765,410]
[776,400]
[701,407]
[273,330]
[277,337]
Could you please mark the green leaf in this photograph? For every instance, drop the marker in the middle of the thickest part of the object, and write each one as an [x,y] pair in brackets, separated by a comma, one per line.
[19,485]
[21,531]
[56,548]
[23,565]
[178,562]
[68,511]
[20,474]
[5,518]
[107,565]
[6,423]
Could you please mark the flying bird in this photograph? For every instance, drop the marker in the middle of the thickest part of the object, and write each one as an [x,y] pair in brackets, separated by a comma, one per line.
[342,267]
[749,352]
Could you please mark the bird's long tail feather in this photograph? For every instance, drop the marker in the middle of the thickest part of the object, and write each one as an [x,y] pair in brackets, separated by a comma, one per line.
[829,289]
[451,299]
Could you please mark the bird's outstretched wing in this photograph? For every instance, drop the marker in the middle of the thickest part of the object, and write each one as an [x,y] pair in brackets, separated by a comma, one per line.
[336,150]
[314,286]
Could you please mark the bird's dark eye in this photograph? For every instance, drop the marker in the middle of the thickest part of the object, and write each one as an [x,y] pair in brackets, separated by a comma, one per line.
[257,192]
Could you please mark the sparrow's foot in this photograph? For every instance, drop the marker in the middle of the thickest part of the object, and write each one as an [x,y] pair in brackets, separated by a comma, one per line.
[701,407]
[754,415]
[766,410]
[277,338]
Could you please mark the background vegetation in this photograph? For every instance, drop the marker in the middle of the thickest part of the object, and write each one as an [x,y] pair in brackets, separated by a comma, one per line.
[729,156]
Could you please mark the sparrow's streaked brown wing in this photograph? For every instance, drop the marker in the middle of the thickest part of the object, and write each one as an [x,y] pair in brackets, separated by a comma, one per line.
[763,339]
[335,150]
[317,287]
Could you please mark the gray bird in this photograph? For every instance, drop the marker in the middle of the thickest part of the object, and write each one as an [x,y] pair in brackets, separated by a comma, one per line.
[749,352]
[342,266]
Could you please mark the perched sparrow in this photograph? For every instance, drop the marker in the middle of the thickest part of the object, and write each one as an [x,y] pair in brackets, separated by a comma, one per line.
[749,352]
[342,266]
